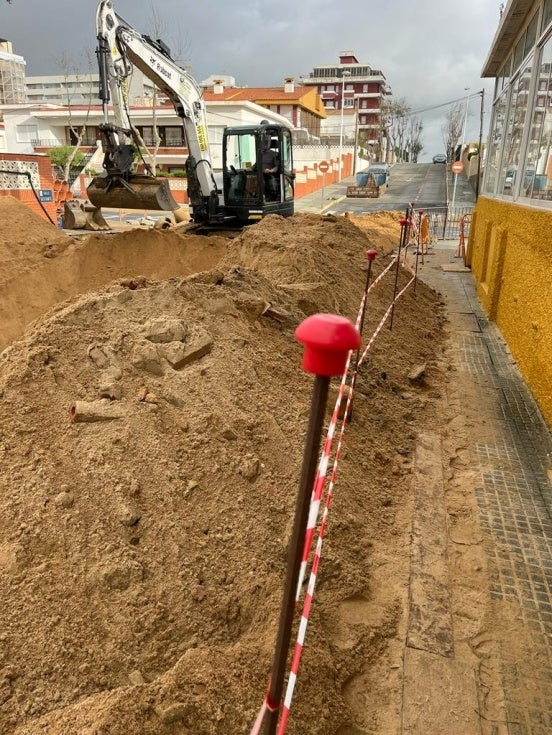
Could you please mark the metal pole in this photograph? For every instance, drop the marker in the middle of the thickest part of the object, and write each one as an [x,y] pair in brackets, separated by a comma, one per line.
[454,190]
[328,339]
[405,228]
[308,472]
[465,124]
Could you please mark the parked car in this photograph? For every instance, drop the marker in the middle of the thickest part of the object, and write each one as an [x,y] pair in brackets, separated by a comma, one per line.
[510,177]
[439,158]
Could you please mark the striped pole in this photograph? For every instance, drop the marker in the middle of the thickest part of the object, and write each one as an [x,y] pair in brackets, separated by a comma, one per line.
[313,576]
[328,339]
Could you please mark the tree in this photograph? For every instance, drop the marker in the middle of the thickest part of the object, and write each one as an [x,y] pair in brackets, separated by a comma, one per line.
[415,145]
[395,114]
[69,156]
[452,130]
[151,151]
[65,155]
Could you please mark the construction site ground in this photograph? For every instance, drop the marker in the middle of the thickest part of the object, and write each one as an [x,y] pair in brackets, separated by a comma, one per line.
[153,417]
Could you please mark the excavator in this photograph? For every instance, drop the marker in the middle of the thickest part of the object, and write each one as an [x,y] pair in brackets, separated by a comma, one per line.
[238,195]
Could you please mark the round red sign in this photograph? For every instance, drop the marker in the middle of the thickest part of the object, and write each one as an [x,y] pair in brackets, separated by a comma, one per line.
[323,166]
[457,167]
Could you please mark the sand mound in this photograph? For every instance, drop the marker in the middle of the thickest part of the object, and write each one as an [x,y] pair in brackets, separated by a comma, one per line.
[142,549]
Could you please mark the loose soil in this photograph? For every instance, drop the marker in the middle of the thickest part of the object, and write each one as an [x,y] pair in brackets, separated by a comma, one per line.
[143,543]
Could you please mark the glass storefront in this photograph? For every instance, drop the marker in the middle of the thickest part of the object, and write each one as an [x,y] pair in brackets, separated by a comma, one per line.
[519,155]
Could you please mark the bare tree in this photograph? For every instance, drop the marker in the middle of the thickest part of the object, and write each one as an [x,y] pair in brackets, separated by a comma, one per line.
[415,129]
[452,130]
[151,151]
[77,129]
[395,115]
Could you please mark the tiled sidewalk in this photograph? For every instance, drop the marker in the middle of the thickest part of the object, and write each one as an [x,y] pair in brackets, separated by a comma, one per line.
[510,463]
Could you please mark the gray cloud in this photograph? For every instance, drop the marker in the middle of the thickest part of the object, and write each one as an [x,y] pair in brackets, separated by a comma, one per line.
[429,51]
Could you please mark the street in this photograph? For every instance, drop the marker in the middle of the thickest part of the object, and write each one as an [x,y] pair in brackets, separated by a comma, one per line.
[424,184]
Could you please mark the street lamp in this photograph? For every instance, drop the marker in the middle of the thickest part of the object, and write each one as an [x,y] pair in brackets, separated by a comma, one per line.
[344,75]
[466,89]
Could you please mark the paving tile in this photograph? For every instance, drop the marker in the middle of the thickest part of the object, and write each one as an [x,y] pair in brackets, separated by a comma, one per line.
[513,493]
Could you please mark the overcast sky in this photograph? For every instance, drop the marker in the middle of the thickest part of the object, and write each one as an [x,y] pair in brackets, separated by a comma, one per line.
[430,51]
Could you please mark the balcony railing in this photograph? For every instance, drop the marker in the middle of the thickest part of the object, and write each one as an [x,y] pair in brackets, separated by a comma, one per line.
[55,143]
[92,143]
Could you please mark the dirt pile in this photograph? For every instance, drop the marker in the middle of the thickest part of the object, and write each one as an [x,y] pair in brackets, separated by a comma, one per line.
[142,545]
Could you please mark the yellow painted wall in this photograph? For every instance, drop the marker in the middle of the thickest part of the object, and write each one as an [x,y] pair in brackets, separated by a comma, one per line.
[510,254]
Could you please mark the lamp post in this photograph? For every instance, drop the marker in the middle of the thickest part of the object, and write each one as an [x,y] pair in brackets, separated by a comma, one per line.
[466,89]
[344,75]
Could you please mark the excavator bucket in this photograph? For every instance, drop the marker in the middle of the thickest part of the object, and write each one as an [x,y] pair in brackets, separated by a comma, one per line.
[82,216]
[138,192]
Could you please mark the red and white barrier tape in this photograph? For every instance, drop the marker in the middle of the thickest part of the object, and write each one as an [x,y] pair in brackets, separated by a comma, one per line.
[318,489]
[314,572]
[382,322]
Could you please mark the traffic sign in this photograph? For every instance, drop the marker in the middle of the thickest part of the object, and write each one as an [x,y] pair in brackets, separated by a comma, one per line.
[457,167]
[323,167]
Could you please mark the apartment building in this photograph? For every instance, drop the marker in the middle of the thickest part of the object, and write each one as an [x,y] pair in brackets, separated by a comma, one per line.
[353,94]
[12,75]
[79,89]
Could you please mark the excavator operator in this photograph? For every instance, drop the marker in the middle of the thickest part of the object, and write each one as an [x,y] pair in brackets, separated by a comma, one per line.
[270,166]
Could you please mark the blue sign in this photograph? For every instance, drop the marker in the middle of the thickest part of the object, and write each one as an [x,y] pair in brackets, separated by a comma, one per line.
[46,195]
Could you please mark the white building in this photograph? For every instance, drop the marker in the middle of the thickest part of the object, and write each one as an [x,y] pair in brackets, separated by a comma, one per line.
[79,89]
[35,128]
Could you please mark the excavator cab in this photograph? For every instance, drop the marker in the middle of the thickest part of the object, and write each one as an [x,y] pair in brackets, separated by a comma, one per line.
[258,177]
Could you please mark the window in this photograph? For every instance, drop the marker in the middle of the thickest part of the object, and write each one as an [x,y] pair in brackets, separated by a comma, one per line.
[517,114]
[546,14]
[496,139]
[537,182]
[518,52]
[26,133]
[531,35]
[504,75]
[173,136]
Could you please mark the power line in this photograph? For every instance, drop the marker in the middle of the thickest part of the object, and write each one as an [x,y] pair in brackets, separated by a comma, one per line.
[445,104]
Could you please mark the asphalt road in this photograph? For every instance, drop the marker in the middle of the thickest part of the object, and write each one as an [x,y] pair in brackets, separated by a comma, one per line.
[425,184]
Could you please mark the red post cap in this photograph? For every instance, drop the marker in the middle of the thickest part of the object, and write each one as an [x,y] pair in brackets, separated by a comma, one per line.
[371,254]
[327,339]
